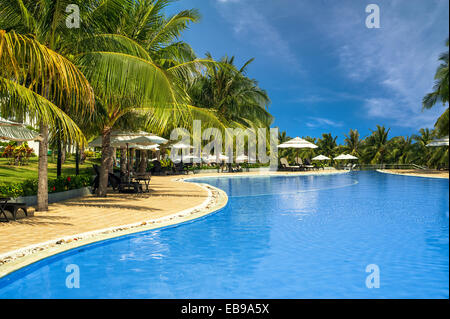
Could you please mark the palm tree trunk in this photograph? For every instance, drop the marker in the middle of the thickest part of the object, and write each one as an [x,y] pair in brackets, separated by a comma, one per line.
[106,159]
[59,159]
[143,162]
[123,161]
[77,160]
[42,193]
[63,153]
[132,154]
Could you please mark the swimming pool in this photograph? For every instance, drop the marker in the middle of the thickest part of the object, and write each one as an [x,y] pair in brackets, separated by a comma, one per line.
[278,237]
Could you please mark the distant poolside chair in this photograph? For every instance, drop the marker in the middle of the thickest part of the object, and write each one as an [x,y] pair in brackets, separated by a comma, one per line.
[285,165]
[308,165]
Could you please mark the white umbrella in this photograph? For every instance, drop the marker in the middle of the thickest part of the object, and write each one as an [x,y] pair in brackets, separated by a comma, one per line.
[439,142]
[180,146]
[345,157]
[12,131]
[321,158]
[153,147]
[121,139]
[244,158]
[215,158]
[297,143]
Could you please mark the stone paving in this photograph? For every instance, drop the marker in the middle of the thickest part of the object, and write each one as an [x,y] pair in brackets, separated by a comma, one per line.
[91,213]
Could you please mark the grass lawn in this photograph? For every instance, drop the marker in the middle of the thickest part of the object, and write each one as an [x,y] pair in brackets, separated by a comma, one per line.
[13,174]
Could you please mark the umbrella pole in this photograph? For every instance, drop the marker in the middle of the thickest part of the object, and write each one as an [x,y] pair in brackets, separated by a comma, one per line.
[128,164]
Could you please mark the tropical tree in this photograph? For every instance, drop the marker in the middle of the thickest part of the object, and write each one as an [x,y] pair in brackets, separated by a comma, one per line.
[327,145]
[235,98]
[401,150]
[353,143]
[422,139]
[34,80]
[440,94]
[376,146]
[440,89]
[135,64]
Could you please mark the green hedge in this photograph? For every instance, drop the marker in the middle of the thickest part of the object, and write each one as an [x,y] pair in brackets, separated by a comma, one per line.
[30,186]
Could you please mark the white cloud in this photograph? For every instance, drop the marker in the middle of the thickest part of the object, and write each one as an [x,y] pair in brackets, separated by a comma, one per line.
[322,122]
[397,62]
[250,24]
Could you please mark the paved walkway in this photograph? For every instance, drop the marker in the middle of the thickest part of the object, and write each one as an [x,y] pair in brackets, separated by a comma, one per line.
[91,213]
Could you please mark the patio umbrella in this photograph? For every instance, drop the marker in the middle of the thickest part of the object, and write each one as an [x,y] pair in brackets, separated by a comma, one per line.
[345,157]
[154,147]
[439,142]
[17,132]
[180,146]
[297,143]
[121,139]
[244,158]
[321,158]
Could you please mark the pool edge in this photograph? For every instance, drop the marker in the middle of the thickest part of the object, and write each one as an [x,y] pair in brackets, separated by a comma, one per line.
[217,199]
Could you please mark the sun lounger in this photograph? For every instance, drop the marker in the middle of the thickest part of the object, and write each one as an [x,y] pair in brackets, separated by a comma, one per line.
[11,207]
[285,165]
[308,165]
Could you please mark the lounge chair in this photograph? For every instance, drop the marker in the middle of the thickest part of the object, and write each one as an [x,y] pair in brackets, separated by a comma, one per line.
[179,168]
[13,208]
[285,165]
[308,165]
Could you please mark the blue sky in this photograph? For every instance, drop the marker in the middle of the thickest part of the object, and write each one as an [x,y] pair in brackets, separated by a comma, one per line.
[323,69]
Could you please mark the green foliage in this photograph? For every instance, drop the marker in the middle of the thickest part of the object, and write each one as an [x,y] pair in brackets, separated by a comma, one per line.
[29,187]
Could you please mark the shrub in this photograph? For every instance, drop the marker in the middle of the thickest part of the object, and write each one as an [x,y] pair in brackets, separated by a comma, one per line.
[30,186]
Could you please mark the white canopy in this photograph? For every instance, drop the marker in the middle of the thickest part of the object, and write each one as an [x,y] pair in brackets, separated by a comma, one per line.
[439,142]
[123,139]
[12,131]
[297,143]
[182,146]
[213,158]
[345,157]
[153,147]
[244,158]
[321,158]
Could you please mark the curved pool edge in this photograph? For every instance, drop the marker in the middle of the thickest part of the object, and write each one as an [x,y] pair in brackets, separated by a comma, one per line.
[17,259]
[409,175]
[216,200]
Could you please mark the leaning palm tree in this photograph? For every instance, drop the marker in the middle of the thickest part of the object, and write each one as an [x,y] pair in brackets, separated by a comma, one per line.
[46,22]
[440,93]
[138,67]
[33,81]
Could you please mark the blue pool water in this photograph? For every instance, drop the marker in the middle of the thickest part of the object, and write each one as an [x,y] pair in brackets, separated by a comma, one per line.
[278,237]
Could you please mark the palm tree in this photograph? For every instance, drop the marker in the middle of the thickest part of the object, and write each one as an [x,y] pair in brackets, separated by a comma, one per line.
[422,139]
[139,67]
[33,81]
[442,125]
[440,94]
[376,146]
[353,143]
[401,150]
[327,145]
[237,99]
